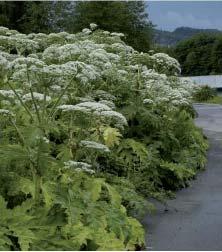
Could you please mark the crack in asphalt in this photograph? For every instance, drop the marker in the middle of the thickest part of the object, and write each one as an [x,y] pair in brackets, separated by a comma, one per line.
[193,220]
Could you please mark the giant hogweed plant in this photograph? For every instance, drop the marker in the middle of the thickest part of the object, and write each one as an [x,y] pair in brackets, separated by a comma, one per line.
[89,126]
[58,205]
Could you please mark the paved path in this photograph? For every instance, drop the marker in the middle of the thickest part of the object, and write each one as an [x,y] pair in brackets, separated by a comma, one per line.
[194,218]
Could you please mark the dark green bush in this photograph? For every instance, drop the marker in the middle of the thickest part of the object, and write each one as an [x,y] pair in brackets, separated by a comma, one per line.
[204,94]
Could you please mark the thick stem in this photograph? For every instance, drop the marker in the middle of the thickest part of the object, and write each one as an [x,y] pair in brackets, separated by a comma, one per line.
[71,136]
[35,105]
[38,186]
[44,104]
[53,110]
[19,98]
[18,131]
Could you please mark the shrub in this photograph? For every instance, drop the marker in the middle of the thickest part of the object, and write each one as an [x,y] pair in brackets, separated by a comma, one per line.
[90,129]
[204,93]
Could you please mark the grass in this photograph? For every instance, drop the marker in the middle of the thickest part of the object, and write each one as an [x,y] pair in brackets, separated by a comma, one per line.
[215,100]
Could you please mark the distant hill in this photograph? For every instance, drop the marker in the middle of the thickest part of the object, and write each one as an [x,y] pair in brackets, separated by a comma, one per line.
[167,38]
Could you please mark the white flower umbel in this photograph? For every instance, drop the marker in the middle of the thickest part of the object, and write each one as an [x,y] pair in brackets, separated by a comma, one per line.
[94,145]
[42,138]
[148,101]
[24,63]
[98,109]
[106,32]
[93,26]
[36,96]
[86,31]
[7,93]
[108,103]
[116,117]
[164,62]
[55,88]
[6,113]
[4,66]
[117,34]
[75,164]
[103,95]
[79,166]
[67,108]
[85,107]
[4,30]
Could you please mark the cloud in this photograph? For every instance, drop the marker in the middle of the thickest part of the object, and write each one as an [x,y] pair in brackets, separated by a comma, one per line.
[170,15]
[175,19]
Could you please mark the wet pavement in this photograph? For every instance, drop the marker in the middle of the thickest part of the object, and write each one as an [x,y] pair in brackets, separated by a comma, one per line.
[194,219]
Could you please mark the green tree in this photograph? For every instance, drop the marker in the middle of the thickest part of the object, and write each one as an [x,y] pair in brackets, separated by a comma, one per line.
[129,18]
[34,16]
[191,62]
[11,13]
[194,54]
[216,56]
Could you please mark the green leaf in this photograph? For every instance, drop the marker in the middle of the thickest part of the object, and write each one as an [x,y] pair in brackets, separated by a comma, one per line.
[26,186]
[114,195]
[111,136]
[25,237]
[48,190]
[137,235]
[107,241]
[95,187]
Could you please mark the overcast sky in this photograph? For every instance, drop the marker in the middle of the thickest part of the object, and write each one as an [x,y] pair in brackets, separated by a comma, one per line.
[168,15]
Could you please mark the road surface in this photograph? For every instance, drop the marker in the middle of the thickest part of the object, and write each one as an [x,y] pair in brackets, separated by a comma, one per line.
[194,218]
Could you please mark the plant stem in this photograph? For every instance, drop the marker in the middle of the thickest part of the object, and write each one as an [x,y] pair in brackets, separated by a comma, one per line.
[35,105]
[59,98]
[19,98]
[38,185]
[18,131]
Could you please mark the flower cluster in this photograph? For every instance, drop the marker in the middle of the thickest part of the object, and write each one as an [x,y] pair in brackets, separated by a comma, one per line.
[92,59]
[97,109]
[163,62]
[94,145]
[37,96]
[6,113]
[79,166]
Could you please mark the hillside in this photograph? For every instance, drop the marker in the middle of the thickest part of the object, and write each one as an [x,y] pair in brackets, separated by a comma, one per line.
[168,38]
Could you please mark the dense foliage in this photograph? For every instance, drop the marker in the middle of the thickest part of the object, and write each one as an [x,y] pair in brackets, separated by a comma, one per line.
[130,18]
[33,16]
[89,129]
[204,93]
[200,55]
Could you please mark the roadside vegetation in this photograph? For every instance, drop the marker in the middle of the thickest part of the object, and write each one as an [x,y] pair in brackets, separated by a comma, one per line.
[91,129]
[215,100]
[198,55]
[206,94]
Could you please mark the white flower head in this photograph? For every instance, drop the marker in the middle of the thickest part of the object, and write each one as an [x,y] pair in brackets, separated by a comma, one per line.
[36,96]
[43,138]
[148,101]
[98,109]
[79,166]
[93,26]
[86,31]
[117,34]
[94,145]
[7,93]
[106,32]
[6,113]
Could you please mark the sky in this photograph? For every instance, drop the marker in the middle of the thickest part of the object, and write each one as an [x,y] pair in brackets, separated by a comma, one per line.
[168,15]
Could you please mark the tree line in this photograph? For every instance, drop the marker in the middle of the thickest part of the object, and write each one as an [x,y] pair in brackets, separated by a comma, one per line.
[198,55]
[130,18]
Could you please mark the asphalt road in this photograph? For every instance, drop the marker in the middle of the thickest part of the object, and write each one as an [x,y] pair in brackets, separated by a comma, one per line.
[194,219]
